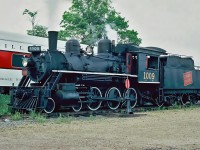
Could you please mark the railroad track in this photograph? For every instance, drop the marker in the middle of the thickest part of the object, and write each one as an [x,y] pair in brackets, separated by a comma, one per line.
[116,113]
[106,112]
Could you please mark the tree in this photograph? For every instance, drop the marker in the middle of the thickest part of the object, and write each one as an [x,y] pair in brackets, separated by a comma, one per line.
[37,30]
[32,17]
[86,21]
[119,24]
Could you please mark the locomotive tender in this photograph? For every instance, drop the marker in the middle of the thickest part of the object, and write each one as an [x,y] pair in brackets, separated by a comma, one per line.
[117,76]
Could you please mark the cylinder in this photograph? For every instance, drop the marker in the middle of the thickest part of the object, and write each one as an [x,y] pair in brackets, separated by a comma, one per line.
[66,98]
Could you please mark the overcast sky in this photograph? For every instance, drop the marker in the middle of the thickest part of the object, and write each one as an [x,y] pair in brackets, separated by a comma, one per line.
[170,24]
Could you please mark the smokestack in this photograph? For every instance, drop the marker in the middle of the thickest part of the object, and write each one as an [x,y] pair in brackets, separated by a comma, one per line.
[53,37]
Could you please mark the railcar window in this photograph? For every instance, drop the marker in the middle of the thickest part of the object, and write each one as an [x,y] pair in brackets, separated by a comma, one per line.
[152,62]
[17,60]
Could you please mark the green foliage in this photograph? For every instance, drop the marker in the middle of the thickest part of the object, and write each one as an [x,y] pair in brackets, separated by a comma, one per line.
[33,114]
[86,20]
[119,24]
[62,119]
[38,117]
[62,35]
[31,14]
[38,30]
[4,101]
[16,116]
[32,17]
[129,36]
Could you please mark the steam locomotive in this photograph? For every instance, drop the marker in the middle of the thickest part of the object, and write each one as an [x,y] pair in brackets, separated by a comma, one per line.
[118,76]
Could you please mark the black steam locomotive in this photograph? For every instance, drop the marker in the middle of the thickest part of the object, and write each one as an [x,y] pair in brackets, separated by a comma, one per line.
[117,76]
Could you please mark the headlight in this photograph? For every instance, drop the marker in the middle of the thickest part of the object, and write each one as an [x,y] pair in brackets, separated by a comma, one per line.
[25,62]
[42,54]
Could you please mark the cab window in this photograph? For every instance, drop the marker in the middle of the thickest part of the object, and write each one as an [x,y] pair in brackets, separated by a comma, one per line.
[152,62]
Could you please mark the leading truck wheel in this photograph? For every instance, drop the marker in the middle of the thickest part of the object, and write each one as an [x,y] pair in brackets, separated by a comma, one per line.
[77,107]
[50,106]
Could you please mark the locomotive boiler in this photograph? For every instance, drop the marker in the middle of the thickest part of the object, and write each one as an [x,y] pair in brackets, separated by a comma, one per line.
[117,76]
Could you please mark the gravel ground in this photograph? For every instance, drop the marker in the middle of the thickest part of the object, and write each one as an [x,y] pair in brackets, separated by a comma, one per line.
[168,129]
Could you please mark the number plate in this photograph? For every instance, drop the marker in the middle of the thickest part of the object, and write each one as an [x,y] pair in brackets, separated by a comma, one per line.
[34,48]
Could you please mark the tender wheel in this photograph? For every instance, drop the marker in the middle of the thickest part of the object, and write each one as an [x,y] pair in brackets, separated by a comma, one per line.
[132,95]
[95,104]
[185,99]
[173,101]
[77,106]
[115,95]
[193,99]
[158,102]
[50,107]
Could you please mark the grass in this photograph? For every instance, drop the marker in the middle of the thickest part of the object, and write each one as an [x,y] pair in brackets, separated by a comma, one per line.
[163,108]
[4,101]
[176,107]
[38,117]
[4,110]
[70,119]
[33,115]
[63,119]
[16,116]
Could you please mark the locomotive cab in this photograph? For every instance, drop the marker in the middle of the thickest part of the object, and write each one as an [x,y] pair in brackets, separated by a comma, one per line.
[148,70]
[142,61]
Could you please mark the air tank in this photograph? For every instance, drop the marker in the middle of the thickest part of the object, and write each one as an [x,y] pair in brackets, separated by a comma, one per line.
[72,46]
[105,46]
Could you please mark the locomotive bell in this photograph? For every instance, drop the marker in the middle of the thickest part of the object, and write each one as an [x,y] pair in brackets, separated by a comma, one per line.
[72,46]
[104,46]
